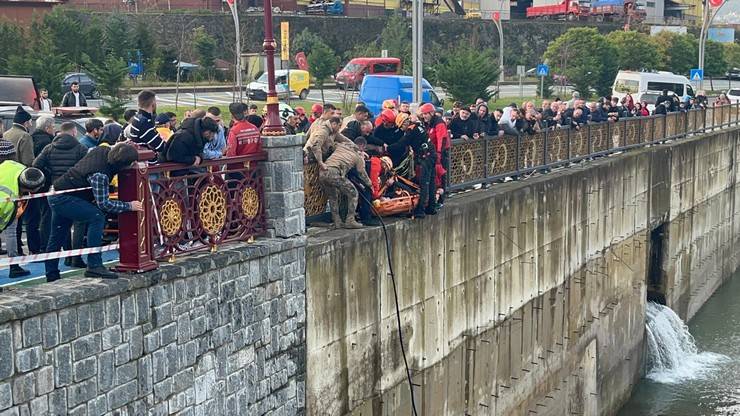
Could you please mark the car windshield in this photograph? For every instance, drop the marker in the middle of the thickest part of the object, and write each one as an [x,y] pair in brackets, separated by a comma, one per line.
[263,78]
[352,68]
[733,92]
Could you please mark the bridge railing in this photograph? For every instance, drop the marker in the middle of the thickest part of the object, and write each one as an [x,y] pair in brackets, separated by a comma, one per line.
[491,159]
[189,209]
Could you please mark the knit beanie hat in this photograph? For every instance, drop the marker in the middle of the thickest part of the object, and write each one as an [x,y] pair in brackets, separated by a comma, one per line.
[162,119]
[21,115]
[6,148]
[31,178]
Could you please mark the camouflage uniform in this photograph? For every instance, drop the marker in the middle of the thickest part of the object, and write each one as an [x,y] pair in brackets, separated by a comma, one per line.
[335,183]
[322,142]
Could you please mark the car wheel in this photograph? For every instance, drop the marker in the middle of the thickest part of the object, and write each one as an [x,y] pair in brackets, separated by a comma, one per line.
[303,95]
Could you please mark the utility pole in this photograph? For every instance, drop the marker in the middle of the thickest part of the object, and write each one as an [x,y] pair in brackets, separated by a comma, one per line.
[417,34]
[238,64]
[497,22]
[709,13]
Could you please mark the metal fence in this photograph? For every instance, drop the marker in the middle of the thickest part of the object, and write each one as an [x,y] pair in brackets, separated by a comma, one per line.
[491,159]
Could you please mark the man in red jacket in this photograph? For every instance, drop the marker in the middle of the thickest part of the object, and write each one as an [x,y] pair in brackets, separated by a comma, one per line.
[244,137]
[440,138]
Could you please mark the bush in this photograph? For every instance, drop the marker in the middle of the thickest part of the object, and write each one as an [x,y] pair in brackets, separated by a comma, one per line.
[466,74]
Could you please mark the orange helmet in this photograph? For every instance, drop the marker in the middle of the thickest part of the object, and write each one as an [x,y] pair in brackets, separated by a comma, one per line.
[427,108]
[400,119]
[388,116]
[389,104]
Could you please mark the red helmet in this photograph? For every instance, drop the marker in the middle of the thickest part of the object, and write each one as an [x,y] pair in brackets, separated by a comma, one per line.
[317,108]
[388,116]
[427,108]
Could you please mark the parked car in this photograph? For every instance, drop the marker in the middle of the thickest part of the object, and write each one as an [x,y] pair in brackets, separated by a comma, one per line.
[378,88]
[733,73]
[7,113]
[733,95]
[352,74]
[87,84]
[299,85]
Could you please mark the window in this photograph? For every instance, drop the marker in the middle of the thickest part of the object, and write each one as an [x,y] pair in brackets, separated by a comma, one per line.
[650,4]
[385,67]
[662,86]
[352,68]
[626,86]
[689,90]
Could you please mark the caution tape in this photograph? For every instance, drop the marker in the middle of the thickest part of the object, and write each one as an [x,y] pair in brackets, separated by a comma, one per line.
[56,255]
[44,194]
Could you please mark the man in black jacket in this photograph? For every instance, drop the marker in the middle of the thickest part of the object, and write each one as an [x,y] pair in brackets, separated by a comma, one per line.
[74,98]
[95,170]
[462,126]
[37,216]
[186,145]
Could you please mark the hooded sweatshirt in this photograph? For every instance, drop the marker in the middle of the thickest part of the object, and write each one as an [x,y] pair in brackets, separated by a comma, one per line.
[186,143]
[486,124]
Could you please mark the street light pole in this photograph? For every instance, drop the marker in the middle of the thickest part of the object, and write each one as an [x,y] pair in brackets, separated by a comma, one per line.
[273,126]
[707,19]
[238,66]
[497,22]
[417,34]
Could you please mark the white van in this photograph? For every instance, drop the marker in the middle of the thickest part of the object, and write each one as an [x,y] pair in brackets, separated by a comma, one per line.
[650,83]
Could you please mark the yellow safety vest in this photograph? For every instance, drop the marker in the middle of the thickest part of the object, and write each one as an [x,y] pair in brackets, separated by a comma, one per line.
[9,173]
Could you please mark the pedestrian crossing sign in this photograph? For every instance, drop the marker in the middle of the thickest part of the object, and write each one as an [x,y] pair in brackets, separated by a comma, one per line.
[697,74]
[543,70]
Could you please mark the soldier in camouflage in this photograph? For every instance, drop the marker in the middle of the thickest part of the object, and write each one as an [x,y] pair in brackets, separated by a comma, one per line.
[333,178]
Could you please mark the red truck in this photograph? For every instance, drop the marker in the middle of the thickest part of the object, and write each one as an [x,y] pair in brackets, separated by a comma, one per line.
[566,9]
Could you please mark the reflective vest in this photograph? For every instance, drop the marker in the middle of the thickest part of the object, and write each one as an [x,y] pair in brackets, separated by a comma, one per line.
[9,173]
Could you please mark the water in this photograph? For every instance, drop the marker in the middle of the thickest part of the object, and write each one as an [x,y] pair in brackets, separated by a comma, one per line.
[689,375]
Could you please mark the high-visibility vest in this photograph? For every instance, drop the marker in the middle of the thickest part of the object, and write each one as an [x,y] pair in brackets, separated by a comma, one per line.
[9,173]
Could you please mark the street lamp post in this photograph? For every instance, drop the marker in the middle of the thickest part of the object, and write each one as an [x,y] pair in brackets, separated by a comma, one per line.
[273,126]
[497,22]
[417,34]
[708,16]
[238,66]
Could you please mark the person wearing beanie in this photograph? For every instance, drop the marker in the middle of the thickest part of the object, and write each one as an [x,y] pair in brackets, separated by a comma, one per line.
[15,180]
[163,126]
[303,122]
[20,137]
[89,206]
[7,150]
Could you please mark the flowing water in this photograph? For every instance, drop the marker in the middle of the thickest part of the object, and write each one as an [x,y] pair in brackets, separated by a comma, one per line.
[694,370]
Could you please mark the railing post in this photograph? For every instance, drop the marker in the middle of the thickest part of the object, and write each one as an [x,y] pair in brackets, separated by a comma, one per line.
[518,153]
[567,135]
[544,148]
[135,231]
[590,141]
[485,157]
[284,195]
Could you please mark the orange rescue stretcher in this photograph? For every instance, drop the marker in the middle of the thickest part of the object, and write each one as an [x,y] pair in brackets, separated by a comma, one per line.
[404,201]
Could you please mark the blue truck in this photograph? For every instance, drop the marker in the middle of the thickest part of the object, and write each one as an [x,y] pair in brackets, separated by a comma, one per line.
[378,88]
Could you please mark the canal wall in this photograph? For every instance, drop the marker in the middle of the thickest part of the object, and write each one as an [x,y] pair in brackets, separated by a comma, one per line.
[528,297]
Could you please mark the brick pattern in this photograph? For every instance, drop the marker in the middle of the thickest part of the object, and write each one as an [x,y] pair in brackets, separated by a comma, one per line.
[218,334]
[286,216]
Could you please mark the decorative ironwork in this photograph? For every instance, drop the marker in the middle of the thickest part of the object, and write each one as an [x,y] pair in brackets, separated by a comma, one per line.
[599,140]
[466,161]
[632,134]
[530,152]
[501,155]
[170,217]
[557,146]
[250,203]
[579,142]
[314,198]
[212,209]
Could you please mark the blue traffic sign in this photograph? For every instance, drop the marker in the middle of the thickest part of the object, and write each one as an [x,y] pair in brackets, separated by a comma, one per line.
[543,70]
[697,74]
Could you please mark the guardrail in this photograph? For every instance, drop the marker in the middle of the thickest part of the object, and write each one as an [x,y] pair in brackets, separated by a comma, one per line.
[189,208]
[490,159]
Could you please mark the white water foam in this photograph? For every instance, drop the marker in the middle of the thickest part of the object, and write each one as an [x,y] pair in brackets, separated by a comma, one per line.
[672,353]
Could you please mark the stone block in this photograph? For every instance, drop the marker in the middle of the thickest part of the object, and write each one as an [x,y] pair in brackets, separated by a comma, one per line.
[86,346]
[135,338]
[183,329]
[163,389]
[113,311]
[97,310]
[6,396]
[82,392]
[24,388]
[50,330]
[182,380]
[32,331]
[28,359]
[111,337]
[15,411]
[122,395]
[6,351]
[84,319]
[168,333]
[128,311]
[97,406]
[159,365]
[144,375]
[63,365]
[162,315]
[40,406]
[85,368]
[80,410]
[123,354]
[58,402]
[160,294]
[45,380]
[126,372]
[106,370]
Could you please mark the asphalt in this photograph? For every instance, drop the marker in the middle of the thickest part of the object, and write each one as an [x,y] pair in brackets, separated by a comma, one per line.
[38,273]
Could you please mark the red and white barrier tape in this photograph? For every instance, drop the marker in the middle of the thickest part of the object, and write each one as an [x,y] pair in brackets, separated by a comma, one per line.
[43,194]
[56,255]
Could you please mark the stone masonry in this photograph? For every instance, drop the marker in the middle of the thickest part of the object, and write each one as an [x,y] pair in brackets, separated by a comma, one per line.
[215,334]
[284,186]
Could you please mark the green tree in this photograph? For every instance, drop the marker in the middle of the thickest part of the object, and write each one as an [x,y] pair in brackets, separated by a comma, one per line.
[66,34]
[715,63]
[42,62]
[635,50]
[395,38]
[732,55]
[322,62]
[11,43]
[142,41]
[680,52]
[167,71]
[305,41]
[117,37]
[94,31]
[110,75]
[205,48]
[585,58]
[466,73]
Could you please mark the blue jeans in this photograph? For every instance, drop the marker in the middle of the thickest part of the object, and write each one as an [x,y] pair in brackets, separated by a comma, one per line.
[66,210]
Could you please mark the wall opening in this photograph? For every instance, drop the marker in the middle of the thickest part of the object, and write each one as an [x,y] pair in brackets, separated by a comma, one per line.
[656,275]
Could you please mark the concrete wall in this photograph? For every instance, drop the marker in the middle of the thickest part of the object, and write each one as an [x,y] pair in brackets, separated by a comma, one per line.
[527,297]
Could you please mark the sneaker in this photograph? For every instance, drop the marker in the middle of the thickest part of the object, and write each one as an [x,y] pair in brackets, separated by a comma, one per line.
[17,271]
[351,223]
[77,262]
[100,272]
[53,277]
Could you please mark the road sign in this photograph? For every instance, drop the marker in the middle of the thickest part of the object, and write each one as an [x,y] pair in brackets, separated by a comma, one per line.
[301,61]
[716,3]
[697,74]
[496,16]
[543,70]
[285,41]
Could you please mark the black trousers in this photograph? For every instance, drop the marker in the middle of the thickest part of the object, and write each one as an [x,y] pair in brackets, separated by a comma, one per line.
[38,220]
[425,180]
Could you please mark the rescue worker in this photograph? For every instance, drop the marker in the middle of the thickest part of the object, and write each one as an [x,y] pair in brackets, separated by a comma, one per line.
[322,142]
[425,161]
[333,178]
[15,180]
[440,138]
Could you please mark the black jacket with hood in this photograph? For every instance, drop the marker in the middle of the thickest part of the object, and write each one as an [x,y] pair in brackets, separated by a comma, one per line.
[486,124]
[59,156]
[186,143]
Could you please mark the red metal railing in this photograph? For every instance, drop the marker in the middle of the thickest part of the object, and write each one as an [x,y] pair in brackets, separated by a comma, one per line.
[189,208]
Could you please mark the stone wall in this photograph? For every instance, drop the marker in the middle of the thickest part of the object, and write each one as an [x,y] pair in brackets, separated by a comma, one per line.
[215,334]
[526,298]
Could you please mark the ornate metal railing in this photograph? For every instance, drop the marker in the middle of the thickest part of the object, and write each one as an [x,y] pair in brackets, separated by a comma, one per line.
[493,158]
[189,209]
